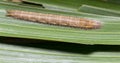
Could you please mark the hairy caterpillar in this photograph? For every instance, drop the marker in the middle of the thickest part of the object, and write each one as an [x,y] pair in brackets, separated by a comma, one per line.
[82,23]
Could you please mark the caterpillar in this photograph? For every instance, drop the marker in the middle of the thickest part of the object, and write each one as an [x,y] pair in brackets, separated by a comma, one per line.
[70,21]
[13,0]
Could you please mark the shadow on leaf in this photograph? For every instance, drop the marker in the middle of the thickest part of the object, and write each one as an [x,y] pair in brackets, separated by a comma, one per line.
[60,46]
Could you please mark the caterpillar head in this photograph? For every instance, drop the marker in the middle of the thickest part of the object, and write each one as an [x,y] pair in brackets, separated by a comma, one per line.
[90,24]
[9,12]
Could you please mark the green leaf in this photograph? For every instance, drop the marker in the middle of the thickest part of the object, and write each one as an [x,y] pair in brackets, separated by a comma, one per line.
[45,53]
[74,4]
[56,50]
[19,28]
[98,10]
[113,1]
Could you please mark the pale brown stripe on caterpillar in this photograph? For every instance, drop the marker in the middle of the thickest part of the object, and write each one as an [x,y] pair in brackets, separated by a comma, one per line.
[13,0]
[82,23]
